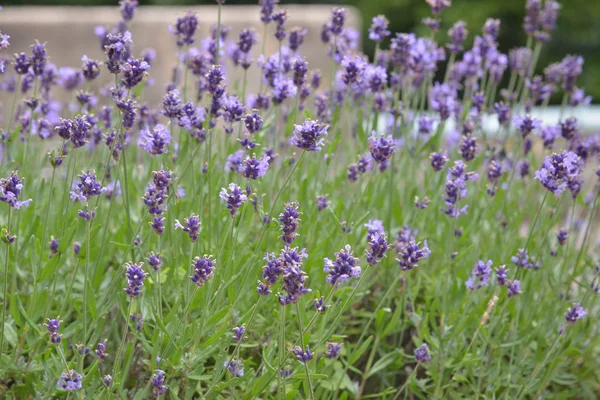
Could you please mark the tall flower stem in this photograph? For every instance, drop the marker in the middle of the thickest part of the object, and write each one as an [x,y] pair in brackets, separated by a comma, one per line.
[282,349]
[305,363]
[85,278]
[5,298]
[9,122]
[117,364]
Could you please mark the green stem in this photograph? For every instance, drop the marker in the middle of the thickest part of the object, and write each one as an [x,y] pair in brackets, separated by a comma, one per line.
[5,298]
[305,363]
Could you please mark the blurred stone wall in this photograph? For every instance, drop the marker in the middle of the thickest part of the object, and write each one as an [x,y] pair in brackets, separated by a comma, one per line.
[69,34]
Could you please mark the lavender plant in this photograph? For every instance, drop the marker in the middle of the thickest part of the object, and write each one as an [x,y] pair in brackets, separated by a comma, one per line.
[338,227]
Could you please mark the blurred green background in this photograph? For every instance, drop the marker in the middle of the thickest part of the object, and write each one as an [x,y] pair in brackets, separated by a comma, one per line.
[578,29]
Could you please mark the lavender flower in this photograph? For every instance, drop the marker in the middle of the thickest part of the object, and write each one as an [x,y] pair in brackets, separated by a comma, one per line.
[158,383]
[172,105]
[234,198]
[468,147]
[185,28]
[562,236]
[456,188]
[254,168]
[343,268]
[238,333]
[128,9]
[574,313]
[333,349]
[70,381]
[235,367]
[480,276]
[378,246]
[53,325]
[293,278]
[322,203]
[289,218]
[502,275]
[253,122]
[379,28]
[382,148]
[320,304]
[203,269]
[280,17]
[301,355]
[107,380]
[135,279]
[192,226]
[101,350]
[266,10]
[309,136]
[438,160]
[87,187]
[156,141]
[558,171]
[134,71]
[422,354]
[296,38]
[10,191]
[155,260]
[338,18]
[457,33]
[411,253]
[514,288]
[526,124]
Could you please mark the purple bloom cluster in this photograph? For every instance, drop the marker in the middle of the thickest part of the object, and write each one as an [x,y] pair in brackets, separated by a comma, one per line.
[560,171]
[10,191]
[302,355]
[70,381]
[333,349]
[203,269]
[158,383]
[309,136]
[234,198]
[290,219]
[480,276]
[456,188]
[235,367]
[191,227]
[135,278]
[422,354]
[574,313]
[156,141]
[53,325]
[86,188]
[411,253]
[343,268]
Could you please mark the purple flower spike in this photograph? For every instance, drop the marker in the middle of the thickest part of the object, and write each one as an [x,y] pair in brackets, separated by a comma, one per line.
[235,367]
[234,198]
[238,333]
[87,187]
[290,219]
[134,71]
[203,269]
[382,148]
[574,313]
[156,141]
[422,354]
[254,168]
[135,279]
[158,383]
[343,268]
[309,136]
[411,253]
[185,28]
[70,381]
[480,276]
[379,28]
[192,226]
[378,246]
[514,288]
[559,171]
[333,349]
[301,355]
[10,191]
